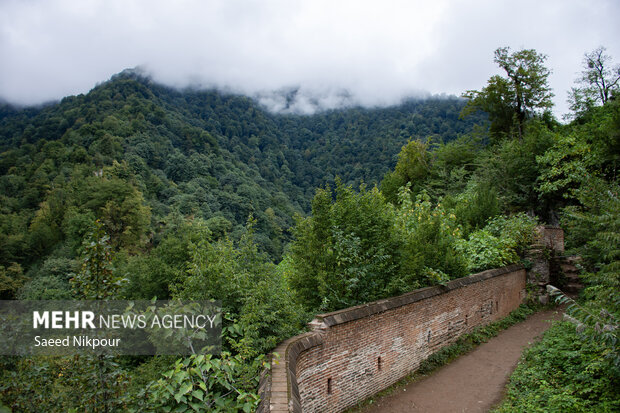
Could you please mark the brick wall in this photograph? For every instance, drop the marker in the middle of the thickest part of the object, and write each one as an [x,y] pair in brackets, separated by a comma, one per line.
[354,353]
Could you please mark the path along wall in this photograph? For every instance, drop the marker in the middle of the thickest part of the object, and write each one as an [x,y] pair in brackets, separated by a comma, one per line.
[354,353]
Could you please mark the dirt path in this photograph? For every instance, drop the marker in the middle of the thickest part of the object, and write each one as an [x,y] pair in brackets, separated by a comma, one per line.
[474,382]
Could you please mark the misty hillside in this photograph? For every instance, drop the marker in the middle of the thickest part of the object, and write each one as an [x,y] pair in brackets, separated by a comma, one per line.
[136,190]
[288,159]
[196,153]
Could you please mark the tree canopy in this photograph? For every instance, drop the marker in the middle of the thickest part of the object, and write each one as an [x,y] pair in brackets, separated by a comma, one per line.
[511,100]
[198,194]
[599,81]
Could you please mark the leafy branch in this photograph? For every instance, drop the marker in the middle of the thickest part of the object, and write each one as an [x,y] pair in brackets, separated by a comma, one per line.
[601,327]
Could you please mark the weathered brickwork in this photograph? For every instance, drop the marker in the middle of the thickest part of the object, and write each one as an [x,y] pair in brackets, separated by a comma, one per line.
[357,352]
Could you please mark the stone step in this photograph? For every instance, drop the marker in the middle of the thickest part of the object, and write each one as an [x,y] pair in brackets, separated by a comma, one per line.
[572,258]
[573,287]
[565,267]
[568,268]
[569,264]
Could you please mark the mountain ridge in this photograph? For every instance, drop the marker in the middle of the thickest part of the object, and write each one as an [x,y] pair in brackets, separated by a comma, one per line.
[203,153]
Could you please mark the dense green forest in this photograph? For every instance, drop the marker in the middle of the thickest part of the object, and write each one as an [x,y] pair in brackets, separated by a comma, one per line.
[199,194]
[202,154]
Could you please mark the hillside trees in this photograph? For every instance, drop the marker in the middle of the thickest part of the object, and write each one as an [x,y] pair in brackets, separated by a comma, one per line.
[347,251]
[517,105]
[251,290]
[513,99]
[413,167]
[258,312]
[577,367]
[428,234]
[96,279]
[511,168]
[599,81]
[586,153]
[358,247]
[173,176]
[440,168]
[203,154]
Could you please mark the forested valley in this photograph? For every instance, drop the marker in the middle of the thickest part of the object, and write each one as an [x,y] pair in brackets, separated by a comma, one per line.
[199,194]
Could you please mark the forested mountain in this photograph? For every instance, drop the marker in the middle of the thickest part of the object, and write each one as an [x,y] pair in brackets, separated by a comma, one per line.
[146,191]
[196,153]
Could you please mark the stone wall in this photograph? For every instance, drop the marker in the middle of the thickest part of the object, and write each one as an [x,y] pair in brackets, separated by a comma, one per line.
[551,238]
[354,353]
[548,243]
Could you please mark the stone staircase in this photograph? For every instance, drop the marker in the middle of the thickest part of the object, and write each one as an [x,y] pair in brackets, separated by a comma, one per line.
[564,274]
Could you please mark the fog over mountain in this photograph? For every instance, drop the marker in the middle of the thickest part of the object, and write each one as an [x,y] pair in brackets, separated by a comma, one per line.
[331,53]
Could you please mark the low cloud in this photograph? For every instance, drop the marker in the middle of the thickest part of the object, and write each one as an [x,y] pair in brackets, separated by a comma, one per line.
[330,53]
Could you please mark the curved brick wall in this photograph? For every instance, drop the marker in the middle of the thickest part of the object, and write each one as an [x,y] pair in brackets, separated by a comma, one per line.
[354,353]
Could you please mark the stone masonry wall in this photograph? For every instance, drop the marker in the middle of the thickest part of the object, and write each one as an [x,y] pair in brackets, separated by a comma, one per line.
[551,238]
[548,243]
[357,352]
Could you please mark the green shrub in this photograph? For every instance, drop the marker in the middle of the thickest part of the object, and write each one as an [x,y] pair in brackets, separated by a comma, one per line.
[346,252]
[251,290]
[201,383]
[501,242]
[562,373]
[428,235]
[474,206]
[47,287]
[64,384]
[485,250]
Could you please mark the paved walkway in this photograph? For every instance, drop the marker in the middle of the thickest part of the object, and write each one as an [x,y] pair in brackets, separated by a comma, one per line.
[474,382]
[279,380]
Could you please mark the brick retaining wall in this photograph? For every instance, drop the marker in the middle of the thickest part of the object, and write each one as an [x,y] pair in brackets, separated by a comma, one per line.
[354,353]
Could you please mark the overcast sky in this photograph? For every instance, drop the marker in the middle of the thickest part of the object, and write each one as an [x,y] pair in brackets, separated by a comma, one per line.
[379,51]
